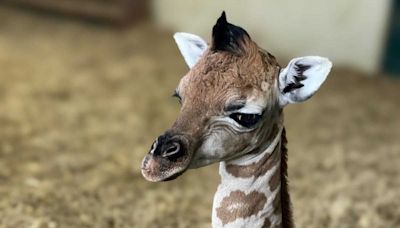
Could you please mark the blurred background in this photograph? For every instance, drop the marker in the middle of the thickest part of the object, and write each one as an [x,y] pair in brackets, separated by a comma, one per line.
[85,87]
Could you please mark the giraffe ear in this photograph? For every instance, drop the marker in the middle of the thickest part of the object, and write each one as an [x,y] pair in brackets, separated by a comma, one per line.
[191,46]
[302,78]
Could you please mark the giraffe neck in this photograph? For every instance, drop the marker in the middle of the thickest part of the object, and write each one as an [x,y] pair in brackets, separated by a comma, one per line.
[253,189]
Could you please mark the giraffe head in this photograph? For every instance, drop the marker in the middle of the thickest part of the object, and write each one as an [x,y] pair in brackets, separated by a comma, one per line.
[231,99]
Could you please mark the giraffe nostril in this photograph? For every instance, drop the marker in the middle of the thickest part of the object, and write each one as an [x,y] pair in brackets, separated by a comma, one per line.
[172,150]
[169,146]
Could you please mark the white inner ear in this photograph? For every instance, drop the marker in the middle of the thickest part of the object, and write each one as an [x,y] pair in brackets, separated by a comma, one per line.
[191,46]
[302,78]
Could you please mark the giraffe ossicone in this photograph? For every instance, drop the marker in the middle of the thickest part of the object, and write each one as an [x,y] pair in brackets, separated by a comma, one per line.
[232,102]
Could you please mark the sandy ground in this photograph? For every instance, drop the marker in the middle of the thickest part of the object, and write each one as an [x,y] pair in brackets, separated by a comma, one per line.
[81,103]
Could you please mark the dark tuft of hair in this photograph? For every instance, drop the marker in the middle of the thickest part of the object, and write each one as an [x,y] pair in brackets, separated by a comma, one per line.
[227,37]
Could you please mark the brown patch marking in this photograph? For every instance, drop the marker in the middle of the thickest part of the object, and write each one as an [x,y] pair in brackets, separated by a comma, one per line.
[240,205]
[258,168]
[276,204]
[275,179]
[267,223]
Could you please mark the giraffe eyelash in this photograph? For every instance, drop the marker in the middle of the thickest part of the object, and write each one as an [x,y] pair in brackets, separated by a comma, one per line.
[245,119]
[176,95]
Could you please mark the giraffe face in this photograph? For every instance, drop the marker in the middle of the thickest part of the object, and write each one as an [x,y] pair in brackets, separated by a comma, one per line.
[230,98]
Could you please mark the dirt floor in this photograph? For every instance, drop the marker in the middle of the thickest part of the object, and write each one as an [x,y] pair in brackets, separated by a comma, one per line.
[81,103]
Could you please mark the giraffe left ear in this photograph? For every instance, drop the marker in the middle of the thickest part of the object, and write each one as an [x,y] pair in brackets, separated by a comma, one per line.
[191,46]
[302,78]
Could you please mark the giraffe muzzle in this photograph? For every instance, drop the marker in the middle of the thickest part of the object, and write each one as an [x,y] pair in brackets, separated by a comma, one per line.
[167,159]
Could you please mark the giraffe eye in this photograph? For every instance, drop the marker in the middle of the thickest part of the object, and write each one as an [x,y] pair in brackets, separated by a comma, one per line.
[176,95]
[246,120]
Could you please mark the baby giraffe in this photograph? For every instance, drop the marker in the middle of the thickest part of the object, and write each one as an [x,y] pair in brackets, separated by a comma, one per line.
[231,112]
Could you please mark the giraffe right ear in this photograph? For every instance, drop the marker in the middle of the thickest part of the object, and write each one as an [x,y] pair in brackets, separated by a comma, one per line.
[302,78]
[191,46]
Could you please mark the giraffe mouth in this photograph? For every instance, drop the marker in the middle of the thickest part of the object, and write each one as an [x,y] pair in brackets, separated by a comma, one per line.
[157,169]
[173,177]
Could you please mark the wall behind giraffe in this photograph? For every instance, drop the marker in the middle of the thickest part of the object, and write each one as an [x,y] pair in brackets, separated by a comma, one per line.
[350,33]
